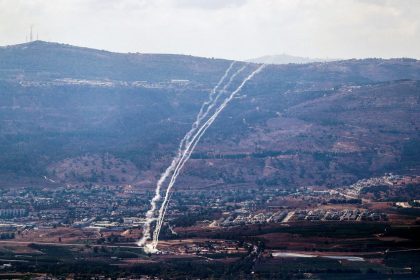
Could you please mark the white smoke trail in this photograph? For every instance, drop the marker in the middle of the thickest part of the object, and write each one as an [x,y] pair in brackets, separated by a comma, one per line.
[183,158]
[201,114]
[188,154]
[210,103]
[153,204]
[214,101]
[190,148]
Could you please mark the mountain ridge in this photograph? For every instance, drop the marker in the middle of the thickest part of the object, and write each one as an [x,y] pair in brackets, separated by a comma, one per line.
[258,60]
[319,123]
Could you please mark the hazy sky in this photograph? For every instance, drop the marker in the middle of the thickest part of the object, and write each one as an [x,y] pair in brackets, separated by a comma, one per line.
[238,29]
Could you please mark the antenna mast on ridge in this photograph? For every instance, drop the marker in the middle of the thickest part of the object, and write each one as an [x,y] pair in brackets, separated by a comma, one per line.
[31,33]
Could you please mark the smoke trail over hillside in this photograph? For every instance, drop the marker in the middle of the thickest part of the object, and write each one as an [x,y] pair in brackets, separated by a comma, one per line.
[190,145]
[190,148]
[185,150]
[153,203]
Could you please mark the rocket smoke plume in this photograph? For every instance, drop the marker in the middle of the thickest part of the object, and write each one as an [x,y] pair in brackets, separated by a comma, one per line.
[153,203]
[190,148]
[190,145]
[186,147]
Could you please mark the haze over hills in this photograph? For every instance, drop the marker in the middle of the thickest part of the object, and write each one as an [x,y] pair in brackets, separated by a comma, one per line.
[64,108]
[286,59]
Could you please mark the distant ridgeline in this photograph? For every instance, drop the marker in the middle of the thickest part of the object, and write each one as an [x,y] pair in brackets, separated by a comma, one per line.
[286,59]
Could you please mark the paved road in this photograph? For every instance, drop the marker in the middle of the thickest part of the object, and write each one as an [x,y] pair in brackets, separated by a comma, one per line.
[11,242]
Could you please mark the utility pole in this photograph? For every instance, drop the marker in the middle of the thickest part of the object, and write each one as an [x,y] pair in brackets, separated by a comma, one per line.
[31,33]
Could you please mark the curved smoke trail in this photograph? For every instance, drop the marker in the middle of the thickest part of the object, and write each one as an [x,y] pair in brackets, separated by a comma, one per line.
[190,148]
[153,204]
[183,158]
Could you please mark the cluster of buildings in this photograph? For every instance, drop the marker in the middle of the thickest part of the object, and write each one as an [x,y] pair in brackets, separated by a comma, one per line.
[118,208]
[174,83]
[100,207]
[301,215]
[12,213]
[388,179]
[245,219]
[338,215]
[212,247]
